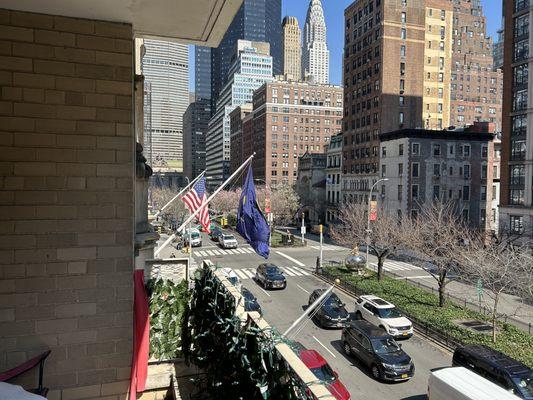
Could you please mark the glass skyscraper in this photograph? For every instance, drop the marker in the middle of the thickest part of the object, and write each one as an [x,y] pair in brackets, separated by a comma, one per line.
[256,20]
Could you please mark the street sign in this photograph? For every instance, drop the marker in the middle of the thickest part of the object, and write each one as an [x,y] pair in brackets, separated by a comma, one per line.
[303,230]
[373,210]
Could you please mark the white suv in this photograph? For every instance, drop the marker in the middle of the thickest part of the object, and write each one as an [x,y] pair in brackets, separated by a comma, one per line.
[383,314]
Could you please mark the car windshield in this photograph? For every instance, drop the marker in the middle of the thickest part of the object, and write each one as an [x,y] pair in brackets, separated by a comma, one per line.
[385,345]
[389,312]
[333,301]
[271,270]
[324,373]
[195,235]
[228,237]
[524,384]
[233,280]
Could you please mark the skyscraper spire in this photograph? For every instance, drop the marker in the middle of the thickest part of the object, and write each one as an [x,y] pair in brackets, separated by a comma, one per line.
[315,63]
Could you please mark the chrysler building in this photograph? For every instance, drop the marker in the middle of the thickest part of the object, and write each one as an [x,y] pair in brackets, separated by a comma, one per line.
[315,60]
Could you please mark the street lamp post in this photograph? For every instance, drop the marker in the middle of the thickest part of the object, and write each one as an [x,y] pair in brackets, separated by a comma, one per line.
[368,217]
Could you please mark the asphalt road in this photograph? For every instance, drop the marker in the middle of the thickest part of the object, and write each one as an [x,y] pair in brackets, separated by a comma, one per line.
[281,308]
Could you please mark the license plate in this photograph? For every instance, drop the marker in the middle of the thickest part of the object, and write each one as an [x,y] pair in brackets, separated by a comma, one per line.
[404,376]
[405,333]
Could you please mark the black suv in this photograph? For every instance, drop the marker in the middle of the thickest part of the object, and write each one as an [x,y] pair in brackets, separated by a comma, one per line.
[270,276]
[215,233]
[331,314]
[378,350]
[496,367]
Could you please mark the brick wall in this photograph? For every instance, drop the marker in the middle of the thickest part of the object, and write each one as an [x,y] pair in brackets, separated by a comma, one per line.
[66,201]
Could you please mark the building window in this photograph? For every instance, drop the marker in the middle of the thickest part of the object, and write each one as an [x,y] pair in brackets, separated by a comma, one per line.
[436,169]
[516,224]
[466,171]
[400,149]
[401,117]
[404,17]
[436,149]
[400,169]
[466,193]
[415,149]
[415,170]
[518,149]
[466,150]
[402,50]
[484,151]
[483,193]
[383,170]
[436,192]
[465,214]
[414,214]
[518,175]
[414,192]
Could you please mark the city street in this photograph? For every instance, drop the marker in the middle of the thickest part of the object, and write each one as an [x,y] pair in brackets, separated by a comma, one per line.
[282,307]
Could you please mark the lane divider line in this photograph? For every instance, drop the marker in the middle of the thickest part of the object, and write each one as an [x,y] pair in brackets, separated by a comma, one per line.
[328,350]
[290,259]
[302,289]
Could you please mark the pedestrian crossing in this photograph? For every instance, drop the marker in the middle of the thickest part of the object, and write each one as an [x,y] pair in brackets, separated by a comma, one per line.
[396,266]
[222,252]
[328,247]
[249,273]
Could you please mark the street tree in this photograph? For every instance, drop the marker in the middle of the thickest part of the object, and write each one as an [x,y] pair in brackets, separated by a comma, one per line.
[161,196]
[226,202]
[385,238]
[437,235]
[501,265]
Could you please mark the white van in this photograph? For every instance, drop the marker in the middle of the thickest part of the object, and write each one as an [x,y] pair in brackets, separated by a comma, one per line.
[196,237]
[458,383]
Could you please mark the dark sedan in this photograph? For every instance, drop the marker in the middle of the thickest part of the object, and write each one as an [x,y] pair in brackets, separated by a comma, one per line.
[332,313]
[270,276]
[250,302]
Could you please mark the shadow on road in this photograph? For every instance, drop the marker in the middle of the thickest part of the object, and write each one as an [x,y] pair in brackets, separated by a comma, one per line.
[415,397]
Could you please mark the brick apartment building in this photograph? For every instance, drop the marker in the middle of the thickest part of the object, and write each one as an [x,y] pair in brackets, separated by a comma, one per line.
[236,118]
[449,166]
[516,197]
[477,87]
[73,186]
[288,120]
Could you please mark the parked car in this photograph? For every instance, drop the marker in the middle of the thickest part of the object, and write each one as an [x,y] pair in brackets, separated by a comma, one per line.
[250,301]
[227,241]
[321,369]
[378,351]
[232,277]
[497,367]
[195,236]
[462,384]
[215,233]
[383,314]
[332,313]
[270,276]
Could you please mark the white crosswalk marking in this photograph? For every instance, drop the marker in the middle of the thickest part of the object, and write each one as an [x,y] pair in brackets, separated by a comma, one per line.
[210,252]
[293,270]
[241,274]
[250,272]
[301,271]
[229,251]
[241,251]
[288,271]
[201,253]
[217,252]
[248,250]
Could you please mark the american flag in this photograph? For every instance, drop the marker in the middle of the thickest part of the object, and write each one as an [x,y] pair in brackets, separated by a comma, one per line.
[196,198]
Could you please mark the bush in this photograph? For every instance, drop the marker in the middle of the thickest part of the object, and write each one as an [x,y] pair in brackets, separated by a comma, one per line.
[423,306]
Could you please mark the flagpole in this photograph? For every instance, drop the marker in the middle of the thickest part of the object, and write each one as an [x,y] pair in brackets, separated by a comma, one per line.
[191,217]
[179,194]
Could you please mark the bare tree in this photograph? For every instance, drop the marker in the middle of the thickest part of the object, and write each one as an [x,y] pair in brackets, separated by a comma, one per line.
[226,201]
[437,236]
[161,196]
[284,203]
[386,233]
[501,265]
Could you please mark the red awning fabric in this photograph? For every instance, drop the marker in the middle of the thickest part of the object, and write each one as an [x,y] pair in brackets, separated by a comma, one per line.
[141,336]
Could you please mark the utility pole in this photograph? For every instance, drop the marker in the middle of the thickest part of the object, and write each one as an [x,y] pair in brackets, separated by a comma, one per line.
[368,231]
[303,228]
[321,244]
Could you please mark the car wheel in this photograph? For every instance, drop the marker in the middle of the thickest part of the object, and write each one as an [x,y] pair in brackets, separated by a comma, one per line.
[358,315]
[376,372]
[347,349]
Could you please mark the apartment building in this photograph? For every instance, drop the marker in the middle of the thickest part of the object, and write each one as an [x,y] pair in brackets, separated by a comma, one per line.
[333,177]
[292,48]
[450,166]
[516,196]
[288,120]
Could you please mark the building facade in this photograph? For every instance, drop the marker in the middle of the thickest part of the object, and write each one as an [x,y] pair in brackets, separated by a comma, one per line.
[256,21]
[237,118]
[333,177]
[195,124]
[288,120]
[315,60]
[476,86]
[311,187]
[447,166]
[383,83]
[165,67]
[292,48]
[252,67]
[516,196]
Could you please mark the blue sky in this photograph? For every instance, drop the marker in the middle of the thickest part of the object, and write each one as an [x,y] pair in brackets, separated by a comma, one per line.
[334,13]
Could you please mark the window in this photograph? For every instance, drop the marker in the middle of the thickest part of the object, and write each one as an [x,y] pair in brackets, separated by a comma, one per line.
[400,169]
[466,150]
[466,171]
[414,192]
[415,149]
[484,151]
[483,193]
[401,117]
[400,192]
[404,17]
[517,175]
[450,149]
[402,100]
[516,224]
[403,33]
[465,214]
[516,197]
[415,170]
[402,85]
[384,151]
[466,193]
[383,170]
[436,149]
[402,50]
[436,169]
[436,192]
[400,149]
